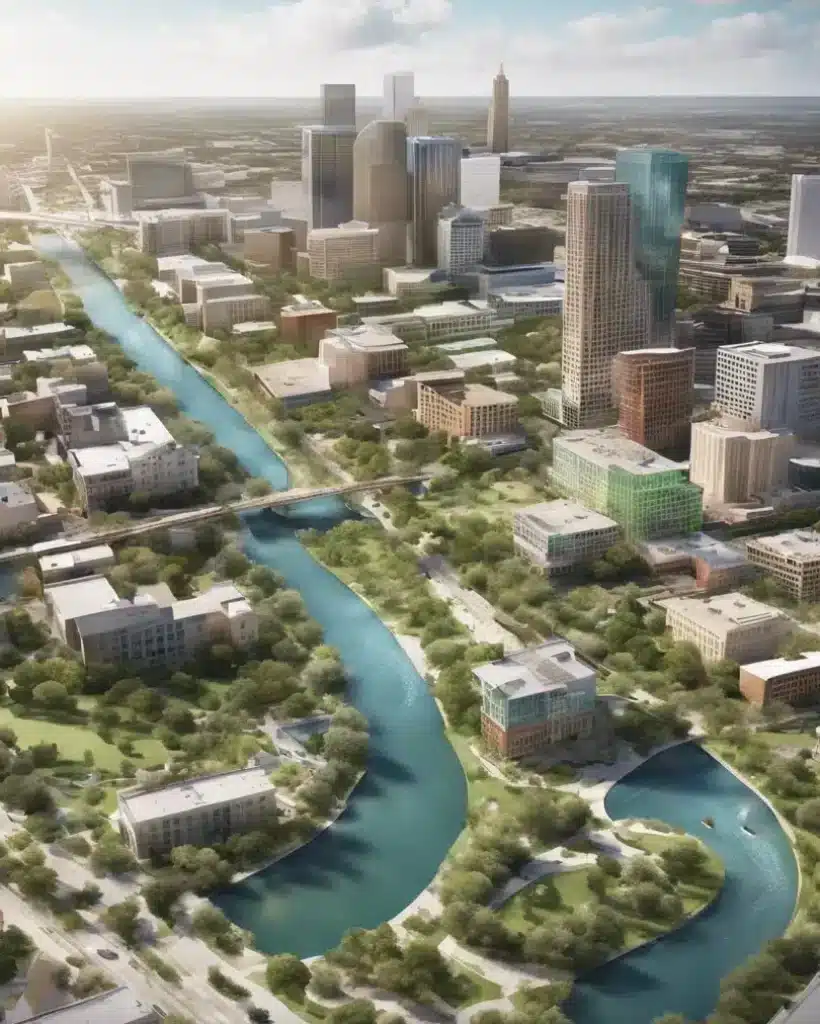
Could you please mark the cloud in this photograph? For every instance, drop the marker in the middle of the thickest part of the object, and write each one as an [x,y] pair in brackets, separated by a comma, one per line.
[715,3]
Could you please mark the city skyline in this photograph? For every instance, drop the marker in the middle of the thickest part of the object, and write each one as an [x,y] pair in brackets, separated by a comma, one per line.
[713,47]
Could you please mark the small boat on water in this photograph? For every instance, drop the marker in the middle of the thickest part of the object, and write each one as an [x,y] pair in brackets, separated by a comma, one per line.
[748,830]
[708,822]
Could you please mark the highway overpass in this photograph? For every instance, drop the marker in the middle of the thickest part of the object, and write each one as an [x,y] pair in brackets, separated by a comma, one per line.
[140,527]
[76,219]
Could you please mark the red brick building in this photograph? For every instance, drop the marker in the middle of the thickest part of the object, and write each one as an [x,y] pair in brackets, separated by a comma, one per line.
[654,390]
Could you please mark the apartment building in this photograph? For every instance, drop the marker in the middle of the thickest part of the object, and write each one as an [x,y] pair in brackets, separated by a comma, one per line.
[150,462]
[305,322]
[647,494]
[654,389]
[727,627]
[201,811]
[535,698]
[349,252]
[84,426]
[793,681]
[466,410]
[734,466]
[18,509]
[562,535]
[355,355]
[443,321]
[768,386]
[154,628]
[176,232]
[792,558]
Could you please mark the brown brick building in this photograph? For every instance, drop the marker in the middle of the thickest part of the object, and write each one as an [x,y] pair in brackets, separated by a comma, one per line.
[785,680]
[655,392]
[305,322]
[466,410]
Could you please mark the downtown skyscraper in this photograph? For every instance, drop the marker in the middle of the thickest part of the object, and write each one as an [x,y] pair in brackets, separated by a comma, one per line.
[399,95]
[338,105]
[327,175]
[657,180]
[434,167]
[380,195]
[498,119]
[605,301]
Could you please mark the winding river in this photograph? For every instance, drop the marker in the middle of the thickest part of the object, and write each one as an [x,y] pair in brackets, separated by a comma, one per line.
[411,805]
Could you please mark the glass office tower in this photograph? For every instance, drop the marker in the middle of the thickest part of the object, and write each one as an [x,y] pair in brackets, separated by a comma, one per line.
[434,167]
[657,180]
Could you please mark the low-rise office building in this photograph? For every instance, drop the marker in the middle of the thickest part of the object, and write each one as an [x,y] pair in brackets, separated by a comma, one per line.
[733,466]
[154,628]
[202,811]
[442,321]
[305,322]
[728,626]
[224,313]
[349,252]
[784,299]
[793,559]
[295,382]
[714,564]
[526,301]
[406,282]
[15,340]
[355,355]
[466,410]
[792,681]
[69,565]
[562,535]
[535,698]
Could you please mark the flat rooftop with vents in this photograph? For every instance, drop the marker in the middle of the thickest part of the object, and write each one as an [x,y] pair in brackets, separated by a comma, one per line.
[609,449]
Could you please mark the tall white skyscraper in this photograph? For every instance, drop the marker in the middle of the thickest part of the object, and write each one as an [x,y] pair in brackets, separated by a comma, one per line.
[399,95]
[803,245]
[327,175]
[606,303]
[498,119]
[460,240]
[480,181]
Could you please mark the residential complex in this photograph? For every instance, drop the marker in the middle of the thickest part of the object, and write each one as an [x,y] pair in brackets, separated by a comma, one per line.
[605,303]
[769,386]
[327,175]
[803,244]
[733,466]
[380,186]
[304,322]
[657,181]
[434,166]
[349,252]
[480,182]
[727,627]
[791,681]
[154,628]
[793,559]
[466,410]
[562,535]
[646,494]
[498,117]
[535,698]
[655,394]
[460,240]
[150,462]
[338,104]
[201,811]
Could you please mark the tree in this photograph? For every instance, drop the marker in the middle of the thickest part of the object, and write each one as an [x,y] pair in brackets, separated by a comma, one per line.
[112,856]
[346,745]
[325,981]
[808,815]
[287,974]
[685,861]
[37,882]
[685,666]
[162,894]
[357,1011]
[124,919]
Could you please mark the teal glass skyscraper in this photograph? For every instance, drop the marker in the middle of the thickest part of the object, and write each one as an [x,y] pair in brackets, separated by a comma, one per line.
[657,180]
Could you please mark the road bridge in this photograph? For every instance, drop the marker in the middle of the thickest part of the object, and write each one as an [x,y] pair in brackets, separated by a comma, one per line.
[141,527]
[75,219]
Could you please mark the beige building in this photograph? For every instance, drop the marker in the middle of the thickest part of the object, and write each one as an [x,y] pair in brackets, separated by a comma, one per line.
[152,630]
[784,298]
[175,232]
[605,302]
[466,410]
[380,194]
[223,313]
[274,248]
[793,559]
[728,626]
[735,466]
[561,535]
[202,811]
[349,252]
[443,321]
[355,355]
[407,282]
[498,118]
[294,382]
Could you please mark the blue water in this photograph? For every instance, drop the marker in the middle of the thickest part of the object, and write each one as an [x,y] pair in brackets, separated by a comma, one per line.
[411,805]
[682,972]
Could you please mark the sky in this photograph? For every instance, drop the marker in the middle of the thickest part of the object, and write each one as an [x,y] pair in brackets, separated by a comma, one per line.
[229,48]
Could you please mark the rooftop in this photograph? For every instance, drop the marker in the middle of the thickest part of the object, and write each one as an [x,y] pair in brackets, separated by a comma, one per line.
[205,791]
[67,560]
[447,309]
[75,598]
[550,667]
[302,305]
[775,667]
[609,449]
[715,553]
[77,353]
[411,275]
[472,394]
[294,378]
[796,545]
[531,292]
[37,331]
[466,345]
[725,612]
[565,517]
[117,1006]
[253,327]
[761,352]
[484,357]
[12,494]
[367,337]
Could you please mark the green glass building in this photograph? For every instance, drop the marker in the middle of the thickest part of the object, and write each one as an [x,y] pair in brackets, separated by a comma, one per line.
[657,180]
[646,494]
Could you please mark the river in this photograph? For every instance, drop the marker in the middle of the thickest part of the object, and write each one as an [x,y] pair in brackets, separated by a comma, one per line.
[411,805]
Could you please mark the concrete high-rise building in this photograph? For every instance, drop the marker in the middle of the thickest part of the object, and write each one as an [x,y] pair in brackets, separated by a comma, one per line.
[498,119]
[160,179]
[605,302]
[117,198]
[380,186]
[433,165]
[481,181]
[655,393]
[735,466]
[327,175]
[338,106]
[349,252]
[417,120]
[803,245]
[460,240]
[657,180]
[399,95]
[769,386]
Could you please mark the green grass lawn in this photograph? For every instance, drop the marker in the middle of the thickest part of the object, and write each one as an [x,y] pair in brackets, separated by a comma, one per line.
[73,741]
